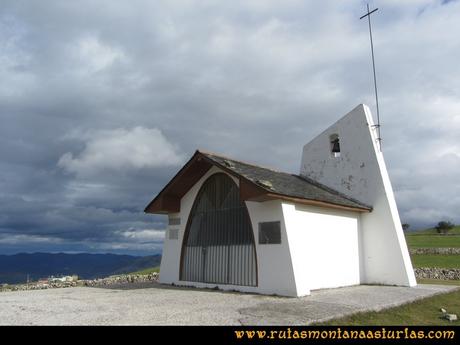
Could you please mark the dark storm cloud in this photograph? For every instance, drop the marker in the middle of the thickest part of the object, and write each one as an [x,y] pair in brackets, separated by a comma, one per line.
[101,102]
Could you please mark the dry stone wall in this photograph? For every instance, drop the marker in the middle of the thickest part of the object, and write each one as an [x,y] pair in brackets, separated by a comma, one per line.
[435,251]
[124,279]
[437,273]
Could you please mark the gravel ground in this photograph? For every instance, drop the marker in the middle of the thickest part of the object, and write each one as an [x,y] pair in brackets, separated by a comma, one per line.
[155,304]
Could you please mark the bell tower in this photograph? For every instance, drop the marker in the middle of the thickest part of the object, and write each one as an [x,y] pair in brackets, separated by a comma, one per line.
[347,158]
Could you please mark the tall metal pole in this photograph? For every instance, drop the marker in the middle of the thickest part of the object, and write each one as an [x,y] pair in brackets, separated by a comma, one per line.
[368,15]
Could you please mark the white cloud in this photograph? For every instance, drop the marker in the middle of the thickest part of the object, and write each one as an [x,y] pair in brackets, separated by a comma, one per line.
[13,239]
[143,235]
[125,247]
[119,150]
[95,55]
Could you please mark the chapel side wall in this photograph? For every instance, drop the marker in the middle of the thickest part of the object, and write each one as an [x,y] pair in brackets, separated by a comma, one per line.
[324,246]
[276,275]
[168,271]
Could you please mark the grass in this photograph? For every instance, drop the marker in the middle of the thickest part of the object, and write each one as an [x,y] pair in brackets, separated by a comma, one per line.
[438,281]
[423,312]
[429,238]
[147,271]
[432,241]
[442,261]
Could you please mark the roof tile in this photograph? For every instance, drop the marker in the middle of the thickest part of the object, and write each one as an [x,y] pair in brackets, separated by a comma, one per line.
[286,184]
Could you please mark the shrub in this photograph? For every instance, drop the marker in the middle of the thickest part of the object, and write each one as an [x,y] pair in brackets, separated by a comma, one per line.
[443,227]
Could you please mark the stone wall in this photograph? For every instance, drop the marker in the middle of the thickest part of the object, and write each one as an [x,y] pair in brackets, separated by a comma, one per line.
[437,273]
[435,251]
[120,280]
[36,286]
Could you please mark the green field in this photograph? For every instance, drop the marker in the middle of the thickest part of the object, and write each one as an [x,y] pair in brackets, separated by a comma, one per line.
[424,312]
[443,261]
[438,281]
[432,241]
[429,238]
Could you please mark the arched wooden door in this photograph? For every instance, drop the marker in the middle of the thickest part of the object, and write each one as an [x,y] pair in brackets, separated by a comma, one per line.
[218,245]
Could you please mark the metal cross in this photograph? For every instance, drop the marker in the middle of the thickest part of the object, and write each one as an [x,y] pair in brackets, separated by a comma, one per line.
[368,15]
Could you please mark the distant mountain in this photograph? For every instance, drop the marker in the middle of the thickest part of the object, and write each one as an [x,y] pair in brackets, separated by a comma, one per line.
[15,268]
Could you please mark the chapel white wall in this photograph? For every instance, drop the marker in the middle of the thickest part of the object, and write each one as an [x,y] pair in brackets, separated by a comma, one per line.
[276,274]
[324,247]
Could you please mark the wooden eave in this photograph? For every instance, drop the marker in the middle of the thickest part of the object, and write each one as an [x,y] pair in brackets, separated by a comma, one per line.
[168,200]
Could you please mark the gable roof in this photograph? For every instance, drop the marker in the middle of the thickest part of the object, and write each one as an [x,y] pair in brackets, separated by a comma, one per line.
[256,184]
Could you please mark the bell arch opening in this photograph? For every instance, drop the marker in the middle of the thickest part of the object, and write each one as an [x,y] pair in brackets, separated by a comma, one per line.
[218,245]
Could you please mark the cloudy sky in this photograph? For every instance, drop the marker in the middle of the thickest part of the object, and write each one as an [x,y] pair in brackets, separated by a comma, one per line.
[101,102]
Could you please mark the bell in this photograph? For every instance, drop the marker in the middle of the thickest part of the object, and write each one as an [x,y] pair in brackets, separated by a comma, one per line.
[335,146]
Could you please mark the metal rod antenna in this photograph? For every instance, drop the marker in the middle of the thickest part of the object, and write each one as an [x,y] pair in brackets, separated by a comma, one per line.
[368,15]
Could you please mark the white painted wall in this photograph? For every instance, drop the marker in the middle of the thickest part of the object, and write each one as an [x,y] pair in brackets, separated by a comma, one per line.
[360,172]
[276,275]
[324,247]
[171,250]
